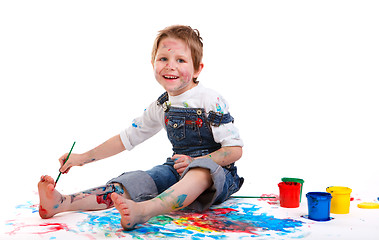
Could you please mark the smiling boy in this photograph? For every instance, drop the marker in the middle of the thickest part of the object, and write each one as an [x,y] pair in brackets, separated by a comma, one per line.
[206,144]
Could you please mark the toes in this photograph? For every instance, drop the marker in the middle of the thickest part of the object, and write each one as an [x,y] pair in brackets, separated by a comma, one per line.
[46,178]
[51,187]
[50,179]
[120,204]
[116,198]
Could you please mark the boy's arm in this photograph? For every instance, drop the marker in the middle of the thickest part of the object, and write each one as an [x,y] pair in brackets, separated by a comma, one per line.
[223,157]
[226,155]
[109,148]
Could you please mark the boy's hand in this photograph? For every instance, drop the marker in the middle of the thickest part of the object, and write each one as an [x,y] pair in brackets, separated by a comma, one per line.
[181,162]
[74,160]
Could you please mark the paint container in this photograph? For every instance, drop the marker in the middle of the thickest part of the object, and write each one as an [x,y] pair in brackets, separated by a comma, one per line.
[299,180]
[319,206]
[289,194]
[340,203]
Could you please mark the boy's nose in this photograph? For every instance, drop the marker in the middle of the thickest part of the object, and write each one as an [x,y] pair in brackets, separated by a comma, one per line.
[171,65]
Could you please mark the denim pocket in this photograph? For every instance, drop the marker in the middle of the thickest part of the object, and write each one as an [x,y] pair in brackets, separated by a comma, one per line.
[176,127]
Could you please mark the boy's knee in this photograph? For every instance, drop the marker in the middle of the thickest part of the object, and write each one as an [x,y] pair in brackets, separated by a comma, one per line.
[200,176]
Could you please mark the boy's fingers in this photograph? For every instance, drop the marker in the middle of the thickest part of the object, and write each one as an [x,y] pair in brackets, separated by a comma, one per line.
[64,168]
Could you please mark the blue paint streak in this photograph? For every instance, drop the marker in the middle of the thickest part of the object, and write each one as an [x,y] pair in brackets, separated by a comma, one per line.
[29,205]
[262,224]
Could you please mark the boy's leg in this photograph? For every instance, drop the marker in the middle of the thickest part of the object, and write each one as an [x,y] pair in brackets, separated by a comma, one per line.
[180,195]
[52,202]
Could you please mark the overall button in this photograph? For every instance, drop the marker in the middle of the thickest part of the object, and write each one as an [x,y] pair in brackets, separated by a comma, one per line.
[175,125]
[199,112]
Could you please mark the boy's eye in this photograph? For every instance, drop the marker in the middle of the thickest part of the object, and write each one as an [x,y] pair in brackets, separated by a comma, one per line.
[163,59]
[181,61]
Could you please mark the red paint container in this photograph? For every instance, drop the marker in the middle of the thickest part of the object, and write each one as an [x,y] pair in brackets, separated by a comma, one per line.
[289,194]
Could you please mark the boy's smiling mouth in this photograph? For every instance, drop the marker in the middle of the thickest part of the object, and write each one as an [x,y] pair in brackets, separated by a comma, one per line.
[170,77]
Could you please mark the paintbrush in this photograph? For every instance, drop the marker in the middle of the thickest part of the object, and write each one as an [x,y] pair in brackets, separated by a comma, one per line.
[251,197]
[64,163]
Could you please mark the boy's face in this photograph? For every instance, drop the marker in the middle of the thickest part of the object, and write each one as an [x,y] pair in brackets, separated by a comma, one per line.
[173,66]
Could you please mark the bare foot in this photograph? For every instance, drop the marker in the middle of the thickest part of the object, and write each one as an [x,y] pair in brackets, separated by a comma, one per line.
[132,213]
[50,200]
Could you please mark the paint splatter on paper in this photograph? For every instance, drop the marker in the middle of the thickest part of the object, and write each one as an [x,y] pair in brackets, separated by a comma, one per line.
[236,218]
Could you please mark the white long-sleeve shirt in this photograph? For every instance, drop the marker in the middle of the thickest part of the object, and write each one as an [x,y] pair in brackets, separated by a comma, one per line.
[152,120]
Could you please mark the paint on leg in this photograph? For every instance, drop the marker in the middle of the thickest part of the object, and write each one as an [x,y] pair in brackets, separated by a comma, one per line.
[179,202]
[105,197]
[102,196]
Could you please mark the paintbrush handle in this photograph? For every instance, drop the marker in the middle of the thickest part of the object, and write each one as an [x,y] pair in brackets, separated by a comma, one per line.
[251,197]
[60,173]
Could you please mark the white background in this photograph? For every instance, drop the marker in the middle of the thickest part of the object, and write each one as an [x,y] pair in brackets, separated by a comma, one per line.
[301,78]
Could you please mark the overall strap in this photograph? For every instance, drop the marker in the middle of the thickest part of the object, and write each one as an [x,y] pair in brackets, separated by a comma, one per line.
[214,118]
[162,99]
[217,118]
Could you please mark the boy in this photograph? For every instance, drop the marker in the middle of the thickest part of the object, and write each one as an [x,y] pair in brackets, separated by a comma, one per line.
[205,142]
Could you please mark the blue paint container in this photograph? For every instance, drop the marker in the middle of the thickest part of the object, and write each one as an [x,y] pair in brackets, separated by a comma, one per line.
[319,206]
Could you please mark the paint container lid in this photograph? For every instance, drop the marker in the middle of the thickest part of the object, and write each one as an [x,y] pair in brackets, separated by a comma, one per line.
[369,205]
[338,190]
[299,180]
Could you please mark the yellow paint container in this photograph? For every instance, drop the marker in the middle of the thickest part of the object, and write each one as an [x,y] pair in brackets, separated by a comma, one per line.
[340,203]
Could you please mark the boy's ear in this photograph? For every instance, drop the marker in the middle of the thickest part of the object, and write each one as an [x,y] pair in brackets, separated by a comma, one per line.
[201,66]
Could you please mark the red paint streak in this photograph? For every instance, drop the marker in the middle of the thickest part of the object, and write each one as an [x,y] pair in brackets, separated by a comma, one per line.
[216,220]
[42,211]
[51,227]
[105,199]
[223,210]
[271,201]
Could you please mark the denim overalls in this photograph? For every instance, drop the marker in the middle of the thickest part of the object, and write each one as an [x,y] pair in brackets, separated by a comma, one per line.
[189,131]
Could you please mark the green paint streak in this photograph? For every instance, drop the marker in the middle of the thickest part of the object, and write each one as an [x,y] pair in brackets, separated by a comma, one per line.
[170,200]
[161,220]
[163,196]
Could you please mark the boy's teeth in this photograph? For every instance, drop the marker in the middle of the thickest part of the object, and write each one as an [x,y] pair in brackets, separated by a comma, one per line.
[170,77]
